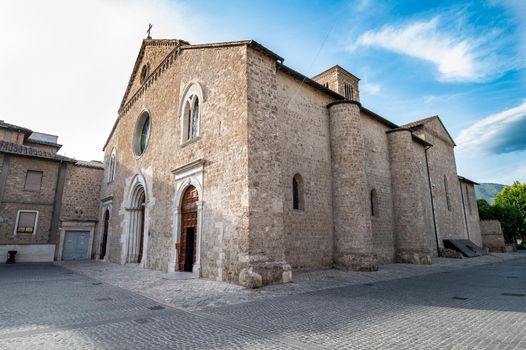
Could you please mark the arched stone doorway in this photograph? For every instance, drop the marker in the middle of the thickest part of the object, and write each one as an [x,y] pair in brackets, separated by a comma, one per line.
[136,237]
[104,240]
[187,251]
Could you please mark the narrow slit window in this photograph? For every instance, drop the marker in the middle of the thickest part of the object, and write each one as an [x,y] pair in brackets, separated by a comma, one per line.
[374,202]
[297,192]
[446,190]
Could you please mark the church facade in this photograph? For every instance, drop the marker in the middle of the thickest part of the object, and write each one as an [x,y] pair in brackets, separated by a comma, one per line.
[225,162]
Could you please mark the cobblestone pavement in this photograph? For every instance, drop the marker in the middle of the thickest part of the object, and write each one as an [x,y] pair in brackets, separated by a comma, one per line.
[472,304]
[195,294]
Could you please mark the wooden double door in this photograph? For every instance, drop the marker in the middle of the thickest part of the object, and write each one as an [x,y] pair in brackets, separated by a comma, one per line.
[188,244]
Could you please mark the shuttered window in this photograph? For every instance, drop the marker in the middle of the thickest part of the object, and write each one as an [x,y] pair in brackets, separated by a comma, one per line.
[33,180]
[26,221]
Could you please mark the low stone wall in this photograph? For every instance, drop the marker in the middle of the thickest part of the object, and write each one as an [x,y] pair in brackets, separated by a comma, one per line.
[492,237]
[29,252]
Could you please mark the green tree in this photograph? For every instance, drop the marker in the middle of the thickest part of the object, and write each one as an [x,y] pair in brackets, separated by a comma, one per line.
[510,209]
[514,195]
[485,210]
[511,220]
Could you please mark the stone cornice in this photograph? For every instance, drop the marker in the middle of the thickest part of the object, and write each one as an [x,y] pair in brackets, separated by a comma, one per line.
[344,102]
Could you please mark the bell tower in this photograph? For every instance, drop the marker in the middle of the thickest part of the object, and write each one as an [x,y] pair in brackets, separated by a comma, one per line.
[341,81]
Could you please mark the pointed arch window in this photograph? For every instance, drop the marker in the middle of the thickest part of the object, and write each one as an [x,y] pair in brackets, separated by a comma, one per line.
[111,166]
[374,202]
[192,117]
[446,190]
[297,192]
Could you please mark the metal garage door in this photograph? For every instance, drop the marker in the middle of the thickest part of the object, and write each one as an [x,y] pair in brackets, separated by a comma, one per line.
[76,245]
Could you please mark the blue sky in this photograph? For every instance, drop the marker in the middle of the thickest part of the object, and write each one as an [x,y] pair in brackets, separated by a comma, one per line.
[462,60]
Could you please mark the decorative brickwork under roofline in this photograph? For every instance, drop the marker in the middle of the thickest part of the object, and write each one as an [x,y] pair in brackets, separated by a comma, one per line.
[146,42]
[26,151]
[39,142]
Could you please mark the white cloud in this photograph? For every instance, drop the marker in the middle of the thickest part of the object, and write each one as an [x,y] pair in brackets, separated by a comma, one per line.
[457,58]
[371,88]
[65,64]
[503,132]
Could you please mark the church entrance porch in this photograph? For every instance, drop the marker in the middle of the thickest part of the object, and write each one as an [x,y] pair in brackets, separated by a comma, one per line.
[187,248]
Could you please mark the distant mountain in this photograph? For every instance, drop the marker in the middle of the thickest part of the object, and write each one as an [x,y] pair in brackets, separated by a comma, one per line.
[488,191]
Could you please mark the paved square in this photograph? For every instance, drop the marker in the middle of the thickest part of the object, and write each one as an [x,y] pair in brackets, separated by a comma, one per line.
[45,306]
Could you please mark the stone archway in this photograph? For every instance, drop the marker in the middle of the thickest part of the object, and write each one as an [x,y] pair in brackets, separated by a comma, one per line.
[137,228]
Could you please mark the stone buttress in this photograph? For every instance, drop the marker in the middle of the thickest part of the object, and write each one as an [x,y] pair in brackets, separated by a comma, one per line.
[409,224]
[353,239]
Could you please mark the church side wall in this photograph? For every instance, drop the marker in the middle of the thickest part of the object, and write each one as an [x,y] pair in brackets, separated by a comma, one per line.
[450,221]
[472,213]
[305,146]
[221,143]
[424,196]
[378,175]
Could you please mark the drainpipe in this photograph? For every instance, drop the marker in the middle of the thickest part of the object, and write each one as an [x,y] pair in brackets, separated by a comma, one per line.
[54,236]
[464,209]
[431,194]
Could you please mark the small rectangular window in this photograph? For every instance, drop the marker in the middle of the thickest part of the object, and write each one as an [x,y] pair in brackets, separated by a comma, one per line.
[7,135]
[33,180]
[26,221]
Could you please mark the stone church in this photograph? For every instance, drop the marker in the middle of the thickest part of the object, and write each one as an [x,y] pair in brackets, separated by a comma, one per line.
[225,162]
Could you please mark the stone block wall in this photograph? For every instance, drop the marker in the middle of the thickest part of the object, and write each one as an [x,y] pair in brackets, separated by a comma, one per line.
[471,213]
[81,196]
[378,174]
[16,198]
[305,150]
[492,237]
[266,253]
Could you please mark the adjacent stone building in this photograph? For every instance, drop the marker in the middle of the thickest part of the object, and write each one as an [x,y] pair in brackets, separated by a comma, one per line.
[49,204]
[225,162]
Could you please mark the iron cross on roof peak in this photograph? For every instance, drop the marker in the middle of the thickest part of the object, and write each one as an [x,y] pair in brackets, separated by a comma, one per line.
[148,31]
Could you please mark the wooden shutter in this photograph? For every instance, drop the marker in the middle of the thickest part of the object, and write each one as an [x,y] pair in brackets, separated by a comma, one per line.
[26,222]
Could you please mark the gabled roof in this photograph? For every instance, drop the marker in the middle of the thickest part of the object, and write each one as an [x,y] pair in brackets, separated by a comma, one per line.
[310,82]
[462,178]
[336,67]
[26,151]
[147,42]
[90,164]
[422,122]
